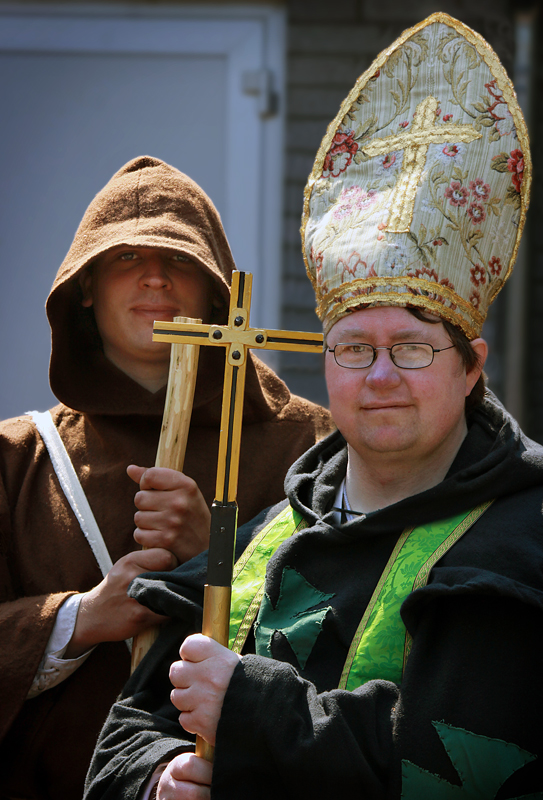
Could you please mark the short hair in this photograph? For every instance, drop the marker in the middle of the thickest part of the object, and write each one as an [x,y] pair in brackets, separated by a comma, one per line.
[469,357]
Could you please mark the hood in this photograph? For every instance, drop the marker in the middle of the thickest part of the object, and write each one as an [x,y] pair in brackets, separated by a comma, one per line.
[147,203]
[495,460]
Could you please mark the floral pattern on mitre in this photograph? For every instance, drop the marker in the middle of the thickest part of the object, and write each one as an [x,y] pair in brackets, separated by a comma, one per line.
[451,231]
[353,199]
[340,154]
[446,154]
[495,108]
[388,165]
[396,258]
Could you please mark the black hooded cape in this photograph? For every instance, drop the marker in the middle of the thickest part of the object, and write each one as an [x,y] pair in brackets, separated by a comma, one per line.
[464,721]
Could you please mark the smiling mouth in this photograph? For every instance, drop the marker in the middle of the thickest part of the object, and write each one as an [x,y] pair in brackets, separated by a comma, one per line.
[385,408]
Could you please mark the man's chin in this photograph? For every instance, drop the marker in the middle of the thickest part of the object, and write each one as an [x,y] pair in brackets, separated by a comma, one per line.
[388,439]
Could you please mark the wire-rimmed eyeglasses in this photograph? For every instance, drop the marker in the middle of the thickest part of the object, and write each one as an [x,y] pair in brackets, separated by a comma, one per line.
[405,355]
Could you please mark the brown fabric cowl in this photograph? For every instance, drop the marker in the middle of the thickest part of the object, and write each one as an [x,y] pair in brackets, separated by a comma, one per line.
[108,421]
[147,203]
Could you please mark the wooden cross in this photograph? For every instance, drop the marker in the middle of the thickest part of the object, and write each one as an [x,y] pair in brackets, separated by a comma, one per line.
[237,337]
[415,144]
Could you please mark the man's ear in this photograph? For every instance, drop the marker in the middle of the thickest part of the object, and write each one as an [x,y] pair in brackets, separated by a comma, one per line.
[85,282]
[481,350]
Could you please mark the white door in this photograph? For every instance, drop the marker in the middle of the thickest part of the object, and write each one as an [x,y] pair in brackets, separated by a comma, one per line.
[81,94]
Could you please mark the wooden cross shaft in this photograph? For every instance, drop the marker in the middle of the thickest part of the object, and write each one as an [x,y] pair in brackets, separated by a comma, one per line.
[415,144]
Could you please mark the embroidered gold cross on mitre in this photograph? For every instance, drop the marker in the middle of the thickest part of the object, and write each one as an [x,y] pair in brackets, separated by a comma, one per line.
[415,144]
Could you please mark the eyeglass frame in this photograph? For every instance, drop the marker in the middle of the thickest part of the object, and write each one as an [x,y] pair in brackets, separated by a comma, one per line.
[375,349]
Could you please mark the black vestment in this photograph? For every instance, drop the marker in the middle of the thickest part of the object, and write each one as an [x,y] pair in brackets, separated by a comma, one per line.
[466,712]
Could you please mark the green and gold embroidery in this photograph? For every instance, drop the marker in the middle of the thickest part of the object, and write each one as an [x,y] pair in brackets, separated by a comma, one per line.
[381,644]
[250,570]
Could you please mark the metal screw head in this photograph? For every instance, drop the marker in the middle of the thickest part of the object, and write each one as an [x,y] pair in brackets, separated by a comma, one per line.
[217,334]
[238,321]
[259,338]
[236,355]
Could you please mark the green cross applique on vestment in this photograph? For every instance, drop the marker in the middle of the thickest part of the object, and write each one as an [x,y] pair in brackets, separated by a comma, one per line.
[296,616]
[483,765]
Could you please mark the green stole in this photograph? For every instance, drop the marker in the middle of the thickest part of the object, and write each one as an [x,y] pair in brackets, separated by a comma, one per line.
[381,644]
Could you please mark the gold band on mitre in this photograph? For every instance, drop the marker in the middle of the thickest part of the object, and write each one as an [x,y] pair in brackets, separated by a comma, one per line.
[419,190]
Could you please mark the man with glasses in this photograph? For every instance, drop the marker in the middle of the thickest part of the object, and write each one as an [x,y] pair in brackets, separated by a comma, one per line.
[406,355]
[386,617]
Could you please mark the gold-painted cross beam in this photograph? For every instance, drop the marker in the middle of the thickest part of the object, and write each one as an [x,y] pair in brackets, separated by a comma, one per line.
[415,144]
[237,337]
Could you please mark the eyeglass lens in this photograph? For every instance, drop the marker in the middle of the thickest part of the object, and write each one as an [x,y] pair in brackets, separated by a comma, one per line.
[406,356]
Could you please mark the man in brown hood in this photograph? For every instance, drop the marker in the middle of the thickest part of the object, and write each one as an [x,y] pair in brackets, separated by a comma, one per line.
[150,246]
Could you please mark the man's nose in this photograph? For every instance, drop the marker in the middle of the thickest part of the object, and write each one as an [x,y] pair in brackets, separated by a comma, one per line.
[155,274]
[383,372]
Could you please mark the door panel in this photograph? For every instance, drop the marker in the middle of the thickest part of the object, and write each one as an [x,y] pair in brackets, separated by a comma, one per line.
[79,98]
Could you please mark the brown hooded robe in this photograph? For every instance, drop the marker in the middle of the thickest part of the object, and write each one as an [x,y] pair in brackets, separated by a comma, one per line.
[108,421]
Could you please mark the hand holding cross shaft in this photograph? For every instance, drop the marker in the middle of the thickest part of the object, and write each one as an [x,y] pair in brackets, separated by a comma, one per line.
[237,337]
